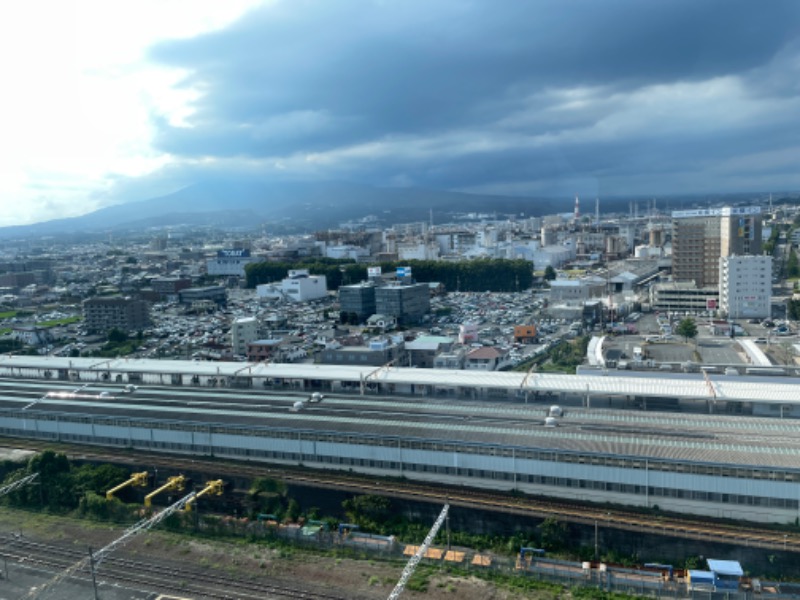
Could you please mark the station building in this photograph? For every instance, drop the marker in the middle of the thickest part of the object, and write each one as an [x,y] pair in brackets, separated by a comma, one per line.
[719,465]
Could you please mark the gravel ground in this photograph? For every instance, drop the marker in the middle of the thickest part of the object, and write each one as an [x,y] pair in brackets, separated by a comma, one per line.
[356,579]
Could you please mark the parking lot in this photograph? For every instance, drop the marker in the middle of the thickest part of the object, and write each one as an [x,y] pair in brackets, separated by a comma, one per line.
[707,348]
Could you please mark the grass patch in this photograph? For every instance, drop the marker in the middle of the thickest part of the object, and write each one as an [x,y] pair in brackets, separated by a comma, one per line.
[60,322]
[419,581]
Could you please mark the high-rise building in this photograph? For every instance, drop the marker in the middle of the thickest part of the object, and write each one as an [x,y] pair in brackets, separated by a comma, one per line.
[701,237]
[745,286]
[740,231]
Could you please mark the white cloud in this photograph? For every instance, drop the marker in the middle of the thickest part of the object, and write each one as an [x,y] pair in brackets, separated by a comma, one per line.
[78,95]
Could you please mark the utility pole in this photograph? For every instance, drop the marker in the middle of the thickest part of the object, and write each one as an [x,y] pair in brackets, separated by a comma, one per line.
[94,578]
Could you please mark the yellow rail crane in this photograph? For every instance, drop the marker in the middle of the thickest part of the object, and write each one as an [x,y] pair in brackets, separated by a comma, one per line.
[139,479]
[215,487]
[174,483]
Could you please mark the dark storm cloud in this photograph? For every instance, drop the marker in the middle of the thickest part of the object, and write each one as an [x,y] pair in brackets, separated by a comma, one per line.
[467,94]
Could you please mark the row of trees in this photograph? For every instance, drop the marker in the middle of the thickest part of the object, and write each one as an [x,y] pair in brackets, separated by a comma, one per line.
[493,275]
[62,487]
[337,271]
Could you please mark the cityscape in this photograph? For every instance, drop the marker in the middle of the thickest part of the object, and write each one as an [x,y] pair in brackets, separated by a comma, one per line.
[627,307]
[361,300]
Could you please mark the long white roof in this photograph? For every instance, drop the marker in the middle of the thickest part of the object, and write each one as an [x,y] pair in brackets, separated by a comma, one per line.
[771,390]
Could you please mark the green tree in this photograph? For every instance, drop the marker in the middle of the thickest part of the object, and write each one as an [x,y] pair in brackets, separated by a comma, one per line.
[293,510]
[97,479]
[687,329]
[117,336]
[555,534]
[549,273]
[267,486]
[56,487]
[369,512]
[792,265]
[793,309]
[10,345]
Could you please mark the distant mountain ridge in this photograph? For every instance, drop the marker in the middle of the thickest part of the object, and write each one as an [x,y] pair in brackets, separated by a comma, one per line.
[293,206]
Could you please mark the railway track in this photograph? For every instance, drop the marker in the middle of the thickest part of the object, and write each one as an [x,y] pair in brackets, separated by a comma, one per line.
[586,514]
[166,579]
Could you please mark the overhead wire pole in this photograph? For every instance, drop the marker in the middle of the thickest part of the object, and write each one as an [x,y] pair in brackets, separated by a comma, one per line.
[94,559]
[414,560]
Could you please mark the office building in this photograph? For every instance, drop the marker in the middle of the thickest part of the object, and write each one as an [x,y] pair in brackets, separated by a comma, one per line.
[408,303]
[701,237]
[358,300]
[230,262]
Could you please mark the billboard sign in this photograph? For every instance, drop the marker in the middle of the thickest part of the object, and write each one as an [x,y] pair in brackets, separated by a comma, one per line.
[233,253]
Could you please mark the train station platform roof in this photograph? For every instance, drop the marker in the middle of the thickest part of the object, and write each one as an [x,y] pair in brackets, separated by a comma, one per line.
[767,390]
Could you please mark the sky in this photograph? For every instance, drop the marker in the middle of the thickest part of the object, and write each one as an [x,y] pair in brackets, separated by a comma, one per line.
[106,101]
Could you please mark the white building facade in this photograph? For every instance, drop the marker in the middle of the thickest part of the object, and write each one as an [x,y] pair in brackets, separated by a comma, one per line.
[417,251]
[355,253]
[243,332]
[745,286]
[299,286]
[229,262]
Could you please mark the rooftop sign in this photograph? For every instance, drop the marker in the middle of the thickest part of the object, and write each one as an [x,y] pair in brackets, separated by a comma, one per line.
[726,211]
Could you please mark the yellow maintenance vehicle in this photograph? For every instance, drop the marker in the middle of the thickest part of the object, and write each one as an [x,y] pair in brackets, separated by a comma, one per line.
[215,487]
[139,479]
[175,483]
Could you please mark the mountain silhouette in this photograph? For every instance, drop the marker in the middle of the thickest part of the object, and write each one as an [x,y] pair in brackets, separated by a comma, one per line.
[298,206]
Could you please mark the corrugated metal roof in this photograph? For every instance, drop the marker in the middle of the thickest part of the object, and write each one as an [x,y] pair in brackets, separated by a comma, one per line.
[768,390]
[733,441]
